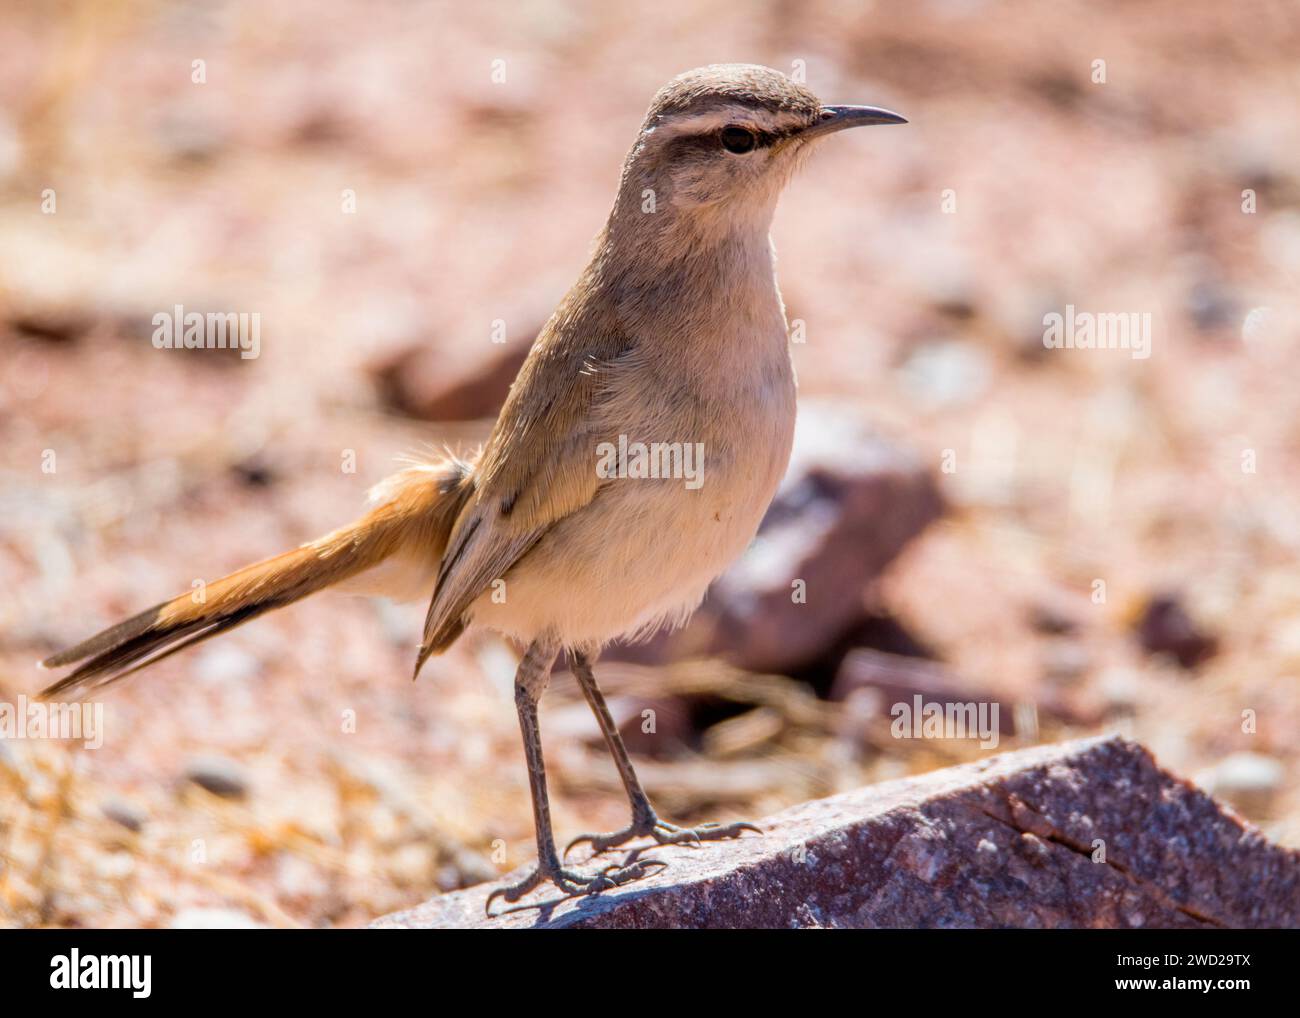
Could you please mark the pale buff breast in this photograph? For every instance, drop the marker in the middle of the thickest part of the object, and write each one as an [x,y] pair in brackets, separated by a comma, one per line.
[644,551]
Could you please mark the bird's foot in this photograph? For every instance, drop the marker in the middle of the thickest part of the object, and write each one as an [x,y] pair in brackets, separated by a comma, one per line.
[663,833]
[573,883]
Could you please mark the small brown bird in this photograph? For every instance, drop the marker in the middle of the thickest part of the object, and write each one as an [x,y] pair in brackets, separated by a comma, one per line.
[564,533]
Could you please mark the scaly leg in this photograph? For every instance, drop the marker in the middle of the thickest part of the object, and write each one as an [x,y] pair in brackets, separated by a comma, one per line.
[530,683]
[644,819]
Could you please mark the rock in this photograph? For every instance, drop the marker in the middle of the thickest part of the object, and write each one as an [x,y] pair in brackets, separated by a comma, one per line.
[257,471]
[881,632]
[218,775]
[848,505]
[52,324]
[1083,834]
[1053,616]
[898,679]
[1166,628]
[419,382]
[1212,306]
[188,136]
[656,727]
[128,814]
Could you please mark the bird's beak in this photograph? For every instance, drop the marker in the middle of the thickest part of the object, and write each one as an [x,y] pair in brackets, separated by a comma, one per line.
[839,118]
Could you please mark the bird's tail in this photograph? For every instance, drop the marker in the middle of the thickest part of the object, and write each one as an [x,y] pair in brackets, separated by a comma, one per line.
[408,528]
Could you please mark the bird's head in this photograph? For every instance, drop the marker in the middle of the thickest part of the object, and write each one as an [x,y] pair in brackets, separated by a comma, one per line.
[719,143]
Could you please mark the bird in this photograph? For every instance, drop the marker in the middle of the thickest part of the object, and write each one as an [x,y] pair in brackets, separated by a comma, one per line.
[673,337]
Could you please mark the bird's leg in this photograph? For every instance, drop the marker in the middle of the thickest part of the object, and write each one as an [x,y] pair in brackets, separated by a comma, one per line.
[530,683]
[644,819]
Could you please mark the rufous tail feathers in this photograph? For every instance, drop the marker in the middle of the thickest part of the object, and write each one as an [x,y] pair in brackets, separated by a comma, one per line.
[409,525]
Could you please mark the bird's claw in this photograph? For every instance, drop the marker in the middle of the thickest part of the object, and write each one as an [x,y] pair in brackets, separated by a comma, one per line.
[663,833]
[573,883]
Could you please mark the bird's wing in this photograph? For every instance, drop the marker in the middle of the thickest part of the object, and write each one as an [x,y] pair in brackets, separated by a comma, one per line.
[539,465]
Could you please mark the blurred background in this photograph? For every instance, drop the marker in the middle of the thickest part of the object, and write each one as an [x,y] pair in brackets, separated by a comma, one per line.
[1093,541]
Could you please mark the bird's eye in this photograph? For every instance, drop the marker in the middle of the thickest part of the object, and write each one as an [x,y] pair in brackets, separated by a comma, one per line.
[738,139]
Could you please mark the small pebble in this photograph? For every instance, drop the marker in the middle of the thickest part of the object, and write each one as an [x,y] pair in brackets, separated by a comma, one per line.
[1166,628]
[218,775]
[129,815]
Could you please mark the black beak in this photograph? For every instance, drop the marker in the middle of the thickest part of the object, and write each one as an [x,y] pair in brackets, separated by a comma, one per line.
[840,118]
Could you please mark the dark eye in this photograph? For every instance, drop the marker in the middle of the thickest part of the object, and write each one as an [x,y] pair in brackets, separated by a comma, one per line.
[738,139]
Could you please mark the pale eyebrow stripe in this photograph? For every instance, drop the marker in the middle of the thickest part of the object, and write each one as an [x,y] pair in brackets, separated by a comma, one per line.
[716,119]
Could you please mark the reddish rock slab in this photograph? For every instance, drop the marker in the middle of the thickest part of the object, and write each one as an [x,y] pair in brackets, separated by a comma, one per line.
[1017,840]
[423,382]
